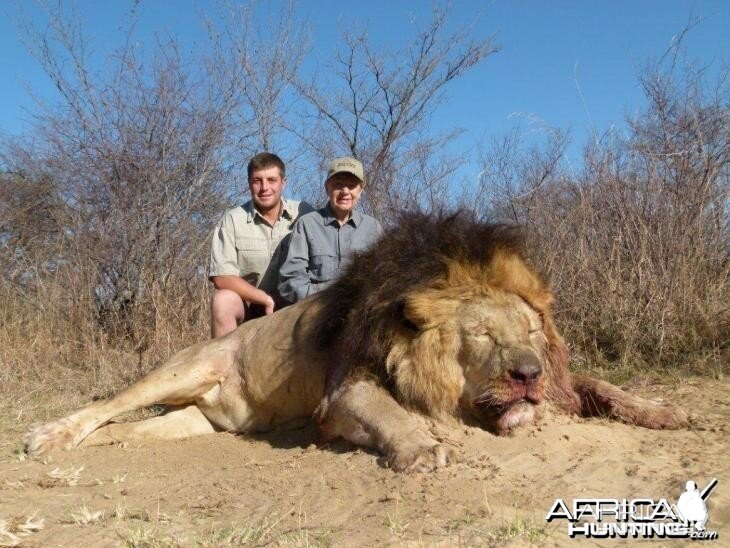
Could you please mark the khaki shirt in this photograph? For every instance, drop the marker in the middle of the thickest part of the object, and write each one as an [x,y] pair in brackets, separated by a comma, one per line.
[246,245]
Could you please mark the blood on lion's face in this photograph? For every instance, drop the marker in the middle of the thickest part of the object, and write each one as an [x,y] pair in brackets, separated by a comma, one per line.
[503,352]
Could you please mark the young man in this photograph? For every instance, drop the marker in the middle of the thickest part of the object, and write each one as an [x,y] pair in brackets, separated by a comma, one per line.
[322,242]
[248,245]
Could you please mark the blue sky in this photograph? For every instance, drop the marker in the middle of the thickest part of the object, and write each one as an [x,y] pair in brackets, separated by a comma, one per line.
[570,64]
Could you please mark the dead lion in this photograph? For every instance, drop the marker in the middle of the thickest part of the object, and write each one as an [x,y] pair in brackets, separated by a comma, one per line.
[442,318]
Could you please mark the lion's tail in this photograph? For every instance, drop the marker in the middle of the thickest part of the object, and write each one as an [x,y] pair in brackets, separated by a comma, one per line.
[600,398]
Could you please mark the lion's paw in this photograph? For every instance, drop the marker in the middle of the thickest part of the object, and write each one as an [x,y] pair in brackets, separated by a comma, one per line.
[654,414]
[52,436]
[667,417]
[423,458]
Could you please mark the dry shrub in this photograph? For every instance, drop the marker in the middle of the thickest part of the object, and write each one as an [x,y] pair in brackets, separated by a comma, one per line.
[105,211]
[637,243]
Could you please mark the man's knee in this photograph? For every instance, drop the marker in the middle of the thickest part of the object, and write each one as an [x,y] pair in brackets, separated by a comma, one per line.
[227,304]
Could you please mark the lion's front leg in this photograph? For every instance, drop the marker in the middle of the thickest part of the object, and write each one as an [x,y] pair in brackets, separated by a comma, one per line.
[366,414]
[600,398]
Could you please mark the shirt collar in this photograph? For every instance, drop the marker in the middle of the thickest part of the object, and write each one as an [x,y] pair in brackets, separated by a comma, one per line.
[287,211]
[328,217]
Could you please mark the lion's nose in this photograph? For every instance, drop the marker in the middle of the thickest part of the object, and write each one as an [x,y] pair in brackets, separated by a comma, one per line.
[526,372]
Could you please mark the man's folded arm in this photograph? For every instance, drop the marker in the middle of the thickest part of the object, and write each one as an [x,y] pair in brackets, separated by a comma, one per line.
[294,281]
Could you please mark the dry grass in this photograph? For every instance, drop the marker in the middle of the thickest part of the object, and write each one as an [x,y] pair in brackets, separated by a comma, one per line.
[56,357]
[61,478]
[83,517]
[636,286]
[14,531]
[267,531]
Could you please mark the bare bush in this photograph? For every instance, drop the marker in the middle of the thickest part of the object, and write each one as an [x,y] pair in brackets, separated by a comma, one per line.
[108,203]
[259,58]
[377,108]
[637,243]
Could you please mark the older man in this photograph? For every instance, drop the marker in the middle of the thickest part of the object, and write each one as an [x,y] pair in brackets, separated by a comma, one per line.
[322,242]
[248,245]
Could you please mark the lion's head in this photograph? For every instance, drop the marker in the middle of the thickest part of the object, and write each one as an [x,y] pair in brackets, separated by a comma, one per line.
[450,317]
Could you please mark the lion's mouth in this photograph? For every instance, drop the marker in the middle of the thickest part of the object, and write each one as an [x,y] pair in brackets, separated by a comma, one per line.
[534,400]
[519,413]
[501,398]
[503,412]
[497,407]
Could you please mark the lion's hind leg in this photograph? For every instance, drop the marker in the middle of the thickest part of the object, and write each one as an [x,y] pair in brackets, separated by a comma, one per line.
[175,423]
[185,378]
[600,398]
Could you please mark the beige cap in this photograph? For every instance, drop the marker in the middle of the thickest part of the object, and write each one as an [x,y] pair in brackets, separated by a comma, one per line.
[346,165]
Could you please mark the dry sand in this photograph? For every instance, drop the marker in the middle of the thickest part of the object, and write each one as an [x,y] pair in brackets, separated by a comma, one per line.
[280,489]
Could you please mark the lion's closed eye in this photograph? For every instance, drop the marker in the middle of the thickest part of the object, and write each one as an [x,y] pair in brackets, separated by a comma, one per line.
[535,324]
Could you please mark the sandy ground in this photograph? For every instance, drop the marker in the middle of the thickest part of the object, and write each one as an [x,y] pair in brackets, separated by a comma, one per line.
[280,489]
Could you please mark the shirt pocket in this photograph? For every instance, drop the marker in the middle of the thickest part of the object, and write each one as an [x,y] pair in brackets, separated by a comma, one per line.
[323,265]
[253,255]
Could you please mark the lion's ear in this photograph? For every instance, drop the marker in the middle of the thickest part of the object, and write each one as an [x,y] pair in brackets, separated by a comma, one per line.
[425,309]
[406,315]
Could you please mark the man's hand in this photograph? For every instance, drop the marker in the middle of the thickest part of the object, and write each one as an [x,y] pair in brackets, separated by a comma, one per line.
[245,290]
